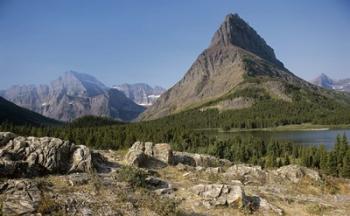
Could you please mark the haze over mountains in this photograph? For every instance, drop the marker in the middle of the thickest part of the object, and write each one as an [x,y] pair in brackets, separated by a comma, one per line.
[326,82]
[74,95]
[238,70]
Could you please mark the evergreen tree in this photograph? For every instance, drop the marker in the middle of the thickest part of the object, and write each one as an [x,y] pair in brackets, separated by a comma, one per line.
[323,157]
[331,168]
[286,160]
[345,170]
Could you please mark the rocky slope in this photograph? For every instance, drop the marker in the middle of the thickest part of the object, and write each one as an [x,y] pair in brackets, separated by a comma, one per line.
[238,61]
[74,95]
[326,82]
[141,93]
[152,179]
[11,113]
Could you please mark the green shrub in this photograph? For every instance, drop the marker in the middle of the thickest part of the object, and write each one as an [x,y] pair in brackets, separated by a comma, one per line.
[135,177]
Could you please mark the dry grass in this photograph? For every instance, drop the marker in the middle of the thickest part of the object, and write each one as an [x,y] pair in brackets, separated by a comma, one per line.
[48,206]
[318,209]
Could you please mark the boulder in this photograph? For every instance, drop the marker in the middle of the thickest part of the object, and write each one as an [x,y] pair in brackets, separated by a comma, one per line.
[148,148]
[157,183]
[135,158]
[138,146]
[213,170]
[159,186]
[267,207]
[5,137]
[202,160]
[296,173]
[147,155]
[246,173]
[23,197]
[220,195]
[163,152]
[33,156]
[81,159]
[184,158]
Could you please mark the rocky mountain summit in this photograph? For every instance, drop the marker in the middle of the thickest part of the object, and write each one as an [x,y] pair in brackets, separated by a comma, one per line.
[152,179]
[74,95]
[326,82]
[235,31]
[141,93]
[237,71]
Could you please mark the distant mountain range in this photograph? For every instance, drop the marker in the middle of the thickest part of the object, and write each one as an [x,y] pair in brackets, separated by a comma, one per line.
[74,95]
[238,76]
[141,93]
[11,113]
[326,82]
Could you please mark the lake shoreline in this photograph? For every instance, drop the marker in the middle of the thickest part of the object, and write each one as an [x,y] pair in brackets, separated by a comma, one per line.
[301,127]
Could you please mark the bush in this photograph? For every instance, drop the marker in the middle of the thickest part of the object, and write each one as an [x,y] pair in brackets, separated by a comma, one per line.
[135,177]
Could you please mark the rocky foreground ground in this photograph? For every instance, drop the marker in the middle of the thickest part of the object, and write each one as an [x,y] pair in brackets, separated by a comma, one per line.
[49,176]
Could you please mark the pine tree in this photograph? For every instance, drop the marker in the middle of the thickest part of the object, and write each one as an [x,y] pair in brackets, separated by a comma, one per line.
[332,164]
[323,158]
[270,161]
[341,148]
[286,160]
[345,170]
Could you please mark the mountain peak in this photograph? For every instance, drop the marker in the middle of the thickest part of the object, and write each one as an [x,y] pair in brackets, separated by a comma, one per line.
[141,93]
[235,31]
[72,80]
[323,81]
[324,76]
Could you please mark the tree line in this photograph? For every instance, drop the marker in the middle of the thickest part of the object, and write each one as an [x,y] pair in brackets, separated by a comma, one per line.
[242,149]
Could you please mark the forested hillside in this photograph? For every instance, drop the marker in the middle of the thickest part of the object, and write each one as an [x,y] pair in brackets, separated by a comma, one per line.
[11,113]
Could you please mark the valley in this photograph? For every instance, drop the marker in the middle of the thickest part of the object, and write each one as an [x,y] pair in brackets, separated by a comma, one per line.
[239,134]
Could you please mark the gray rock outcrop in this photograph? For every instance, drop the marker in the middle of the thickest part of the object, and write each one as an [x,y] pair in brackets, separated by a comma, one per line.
[33,156]
[220,195]
[202,160]
[22,198]
[247,174]
[296,173]
[147,154]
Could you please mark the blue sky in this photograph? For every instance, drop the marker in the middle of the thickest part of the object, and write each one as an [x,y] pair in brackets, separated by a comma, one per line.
[156,41]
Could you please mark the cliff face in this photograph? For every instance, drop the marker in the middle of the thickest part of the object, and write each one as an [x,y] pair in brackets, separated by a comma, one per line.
[235,31]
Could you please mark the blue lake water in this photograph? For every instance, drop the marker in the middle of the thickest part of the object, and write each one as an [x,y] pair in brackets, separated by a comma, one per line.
[325,137]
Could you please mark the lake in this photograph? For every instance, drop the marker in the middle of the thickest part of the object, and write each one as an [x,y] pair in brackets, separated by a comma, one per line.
[310,137]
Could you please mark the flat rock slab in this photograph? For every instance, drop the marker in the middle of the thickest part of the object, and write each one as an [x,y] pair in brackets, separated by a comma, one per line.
[22,198]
